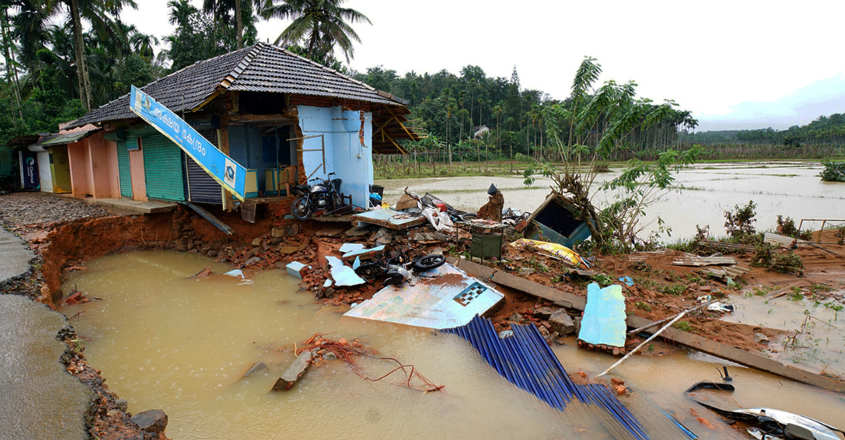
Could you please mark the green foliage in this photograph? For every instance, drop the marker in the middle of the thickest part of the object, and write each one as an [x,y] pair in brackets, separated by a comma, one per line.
[786,226]
[674,289]
[824,130]
[787,262]
[603,279]
[643,306]
[833,171]
[319,25]
[739,223]
[683,325]
[198,36]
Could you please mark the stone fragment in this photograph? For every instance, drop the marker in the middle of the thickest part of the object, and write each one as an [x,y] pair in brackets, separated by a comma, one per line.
[252,260]
[382,236]
[277,232]
[254,368]
[562,323]
[294,372]
[153,421]
[256,241]
[545,311]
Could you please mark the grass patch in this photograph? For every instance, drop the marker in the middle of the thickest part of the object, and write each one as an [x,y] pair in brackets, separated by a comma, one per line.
[683,325]
[674,289]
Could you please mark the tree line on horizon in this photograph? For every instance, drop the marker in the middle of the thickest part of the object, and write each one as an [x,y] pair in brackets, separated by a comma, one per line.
[62,58]
[824,130]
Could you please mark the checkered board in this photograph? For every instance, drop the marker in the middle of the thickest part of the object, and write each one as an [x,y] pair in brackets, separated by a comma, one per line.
[470,293]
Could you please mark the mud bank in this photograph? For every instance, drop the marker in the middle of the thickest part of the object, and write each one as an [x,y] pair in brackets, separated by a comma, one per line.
[71,244]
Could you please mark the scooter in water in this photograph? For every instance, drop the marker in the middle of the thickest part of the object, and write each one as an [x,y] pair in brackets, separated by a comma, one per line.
[323,195]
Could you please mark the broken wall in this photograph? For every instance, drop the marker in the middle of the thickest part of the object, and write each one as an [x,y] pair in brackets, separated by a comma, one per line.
[345,154]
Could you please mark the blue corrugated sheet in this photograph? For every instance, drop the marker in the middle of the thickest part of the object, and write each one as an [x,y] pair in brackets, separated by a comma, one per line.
[527,361]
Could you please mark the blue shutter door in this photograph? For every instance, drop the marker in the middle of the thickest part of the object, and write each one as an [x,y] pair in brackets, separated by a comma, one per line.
[163,168]
[124,169]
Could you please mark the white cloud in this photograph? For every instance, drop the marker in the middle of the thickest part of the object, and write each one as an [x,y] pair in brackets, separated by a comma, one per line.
[709,56]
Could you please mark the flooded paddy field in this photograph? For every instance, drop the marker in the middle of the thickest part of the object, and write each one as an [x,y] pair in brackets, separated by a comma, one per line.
[164,340]
[700,194]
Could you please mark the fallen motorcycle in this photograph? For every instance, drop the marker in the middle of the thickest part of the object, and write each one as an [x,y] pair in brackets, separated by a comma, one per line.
[395,270]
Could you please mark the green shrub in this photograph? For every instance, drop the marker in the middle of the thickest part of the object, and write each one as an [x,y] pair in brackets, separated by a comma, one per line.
[833,171]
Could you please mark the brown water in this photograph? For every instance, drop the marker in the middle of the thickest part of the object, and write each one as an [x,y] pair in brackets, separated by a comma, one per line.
[165,341]
[815,330]
[700,196]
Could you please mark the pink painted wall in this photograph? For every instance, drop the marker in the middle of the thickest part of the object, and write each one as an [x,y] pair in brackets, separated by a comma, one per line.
[93,168]
[136,169]
[79,162]
[103,166]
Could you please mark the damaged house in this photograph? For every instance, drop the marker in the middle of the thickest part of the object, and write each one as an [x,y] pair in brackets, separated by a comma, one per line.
[284,118]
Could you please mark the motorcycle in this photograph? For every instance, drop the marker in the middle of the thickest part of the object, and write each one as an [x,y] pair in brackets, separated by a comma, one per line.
[395,270]
[323,195]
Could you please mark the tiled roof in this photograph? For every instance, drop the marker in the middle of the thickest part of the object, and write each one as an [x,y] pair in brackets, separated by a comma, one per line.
[259,68]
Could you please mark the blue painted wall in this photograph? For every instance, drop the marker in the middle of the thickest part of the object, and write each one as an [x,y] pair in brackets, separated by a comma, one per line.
[345,155]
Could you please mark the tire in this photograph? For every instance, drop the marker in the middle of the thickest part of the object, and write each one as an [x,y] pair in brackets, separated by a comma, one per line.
[429,262]
[301,208]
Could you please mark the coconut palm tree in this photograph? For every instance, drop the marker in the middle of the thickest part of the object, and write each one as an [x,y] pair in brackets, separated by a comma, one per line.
[320,24]
[241,9]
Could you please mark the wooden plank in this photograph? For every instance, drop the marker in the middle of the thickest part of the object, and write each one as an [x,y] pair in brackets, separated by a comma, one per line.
[690,340]
[694,260]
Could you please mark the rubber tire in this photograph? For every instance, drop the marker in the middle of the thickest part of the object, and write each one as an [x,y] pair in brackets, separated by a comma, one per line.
[301,212]
[429,262]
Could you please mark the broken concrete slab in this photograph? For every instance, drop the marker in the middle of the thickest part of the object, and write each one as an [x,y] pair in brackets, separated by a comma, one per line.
[294,372]
[364,252]
[295,268]
[389,218]
[342,274]
[562,323]
[443,297]
[604,317]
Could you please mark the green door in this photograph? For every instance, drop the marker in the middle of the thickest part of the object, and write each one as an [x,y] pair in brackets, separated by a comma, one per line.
[163,168]
[124,169]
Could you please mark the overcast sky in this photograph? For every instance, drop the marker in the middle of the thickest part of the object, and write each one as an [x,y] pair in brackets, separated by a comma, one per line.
[734,64]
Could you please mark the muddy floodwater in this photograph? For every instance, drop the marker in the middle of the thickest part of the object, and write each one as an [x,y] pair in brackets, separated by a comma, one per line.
[165,341]
[700,194]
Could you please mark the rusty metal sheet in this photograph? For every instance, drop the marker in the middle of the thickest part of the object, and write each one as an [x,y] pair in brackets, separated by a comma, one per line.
[444,297]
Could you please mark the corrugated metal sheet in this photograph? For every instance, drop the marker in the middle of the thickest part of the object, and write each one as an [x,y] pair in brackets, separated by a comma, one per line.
[163,168]
[527,361]
[202,188]
[124,170]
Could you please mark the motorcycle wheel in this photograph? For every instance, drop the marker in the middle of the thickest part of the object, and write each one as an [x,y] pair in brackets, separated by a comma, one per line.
[301,208]
[429,262]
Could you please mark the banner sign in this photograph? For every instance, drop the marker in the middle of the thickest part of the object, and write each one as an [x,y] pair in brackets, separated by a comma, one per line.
[228,173]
